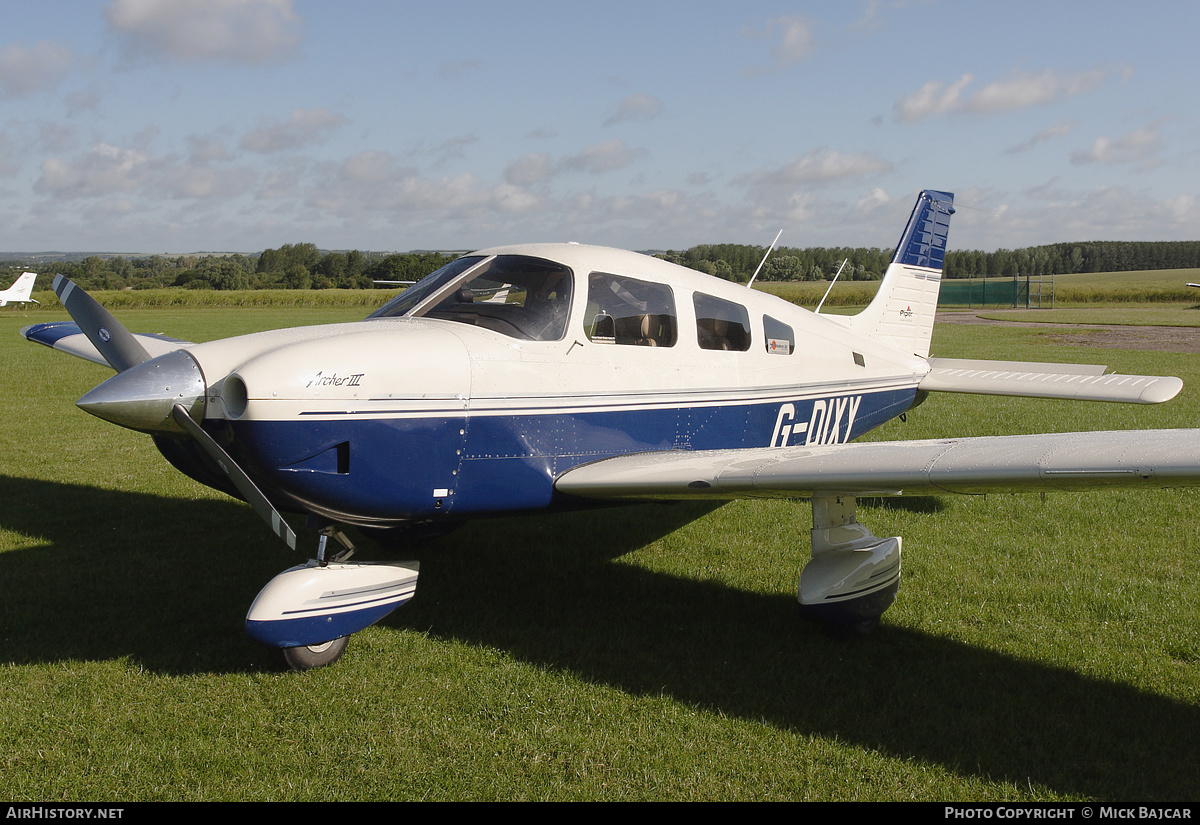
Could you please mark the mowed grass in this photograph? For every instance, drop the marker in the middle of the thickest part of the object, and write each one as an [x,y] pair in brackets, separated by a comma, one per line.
[1039,650]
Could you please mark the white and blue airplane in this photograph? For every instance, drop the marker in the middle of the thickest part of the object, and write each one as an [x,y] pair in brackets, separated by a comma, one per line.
[546,376]
[20,291]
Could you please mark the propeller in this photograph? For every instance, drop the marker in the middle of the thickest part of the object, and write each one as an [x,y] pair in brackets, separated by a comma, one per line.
[166,394]
[237,475]
[117,344]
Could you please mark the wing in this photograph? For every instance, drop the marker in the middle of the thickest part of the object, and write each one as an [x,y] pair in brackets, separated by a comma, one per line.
[1082,382]
[1058,461]
[68,337]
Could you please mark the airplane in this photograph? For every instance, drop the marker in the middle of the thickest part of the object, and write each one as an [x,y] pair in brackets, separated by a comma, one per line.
[600,375]
[20,291]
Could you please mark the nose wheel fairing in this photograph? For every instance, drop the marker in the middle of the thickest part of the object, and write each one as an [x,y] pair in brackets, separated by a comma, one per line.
[311,604]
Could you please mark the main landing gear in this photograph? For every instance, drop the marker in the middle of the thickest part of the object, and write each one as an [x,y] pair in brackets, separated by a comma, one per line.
[311,610]
[853,575]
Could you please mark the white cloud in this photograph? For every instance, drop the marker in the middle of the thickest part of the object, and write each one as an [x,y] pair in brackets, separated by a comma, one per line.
[451,149]
[598,159]
[242,31]
[793,41]
[931,99]
[1059,129]
[372,181]
[303,127]
[205,150]
[1021,91]
[26,70]
[1128,148]
[1107,212]
[529,169]
[818,167]
[106,170]
[869,202]
[636,107]
[603,157]
[1034,89]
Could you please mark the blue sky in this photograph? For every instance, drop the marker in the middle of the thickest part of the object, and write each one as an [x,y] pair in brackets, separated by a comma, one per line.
[168,126]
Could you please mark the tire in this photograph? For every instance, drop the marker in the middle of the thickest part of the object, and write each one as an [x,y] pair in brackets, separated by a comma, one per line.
[309,657]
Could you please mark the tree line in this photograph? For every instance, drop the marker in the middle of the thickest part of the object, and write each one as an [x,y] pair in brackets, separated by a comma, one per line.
[737,262]
[304,266]
[291,266]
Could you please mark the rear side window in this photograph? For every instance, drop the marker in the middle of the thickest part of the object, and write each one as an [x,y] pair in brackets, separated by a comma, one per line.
[721,324]
[623,310]
[780,340]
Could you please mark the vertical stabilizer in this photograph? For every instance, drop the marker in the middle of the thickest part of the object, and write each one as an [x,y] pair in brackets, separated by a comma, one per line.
[901,314]
[20,291]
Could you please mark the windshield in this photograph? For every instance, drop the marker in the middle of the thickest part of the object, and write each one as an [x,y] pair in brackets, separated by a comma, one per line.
[406,300]
[516,295]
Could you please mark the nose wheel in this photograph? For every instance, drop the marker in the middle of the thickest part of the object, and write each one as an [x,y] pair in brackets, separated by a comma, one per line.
[309,657]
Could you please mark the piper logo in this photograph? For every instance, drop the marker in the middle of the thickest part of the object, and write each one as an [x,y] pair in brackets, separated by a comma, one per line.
[830,422]
[906,312]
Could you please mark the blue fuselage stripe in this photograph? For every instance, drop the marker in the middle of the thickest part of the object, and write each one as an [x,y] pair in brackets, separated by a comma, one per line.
[380,469]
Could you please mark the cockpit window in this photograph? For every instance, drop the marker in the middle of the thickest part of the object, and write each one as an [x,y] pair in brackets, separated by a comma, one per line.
[624,310]
[516,295]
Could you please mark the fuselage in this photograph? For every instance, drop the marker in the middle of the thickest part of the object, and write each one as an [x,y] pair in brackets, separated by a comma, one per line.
[472,396]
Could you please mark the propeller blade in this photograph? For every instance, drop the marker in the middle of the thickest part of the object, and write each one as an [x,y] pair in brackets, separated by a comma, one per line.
[107,334]
[237,475]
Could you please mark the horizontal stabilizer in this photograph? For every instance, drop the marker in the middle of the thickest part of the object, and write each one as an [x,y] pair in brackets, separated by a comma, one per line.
[1081,382]
[1015,463]
[66,336]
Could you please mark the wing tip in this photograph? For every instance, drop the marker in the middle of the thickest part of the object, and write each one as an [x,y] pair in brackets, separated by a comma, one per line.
[1163,389]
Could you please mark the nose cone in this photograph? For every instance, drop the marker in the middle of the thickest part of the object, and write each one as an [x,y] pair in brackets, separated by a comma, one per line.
[142,396]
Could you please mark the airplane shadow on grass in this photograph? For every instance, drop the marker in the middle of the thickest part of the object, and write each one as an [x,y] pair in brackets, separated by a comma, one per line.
[99,575]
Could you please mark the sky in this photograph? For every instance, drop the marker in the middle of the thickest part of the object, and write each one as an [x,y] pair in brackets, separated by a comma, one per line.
[172,126]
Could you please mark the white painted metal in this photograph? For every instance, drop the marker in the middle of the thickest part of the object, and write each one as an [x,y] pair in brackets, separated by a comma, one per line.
[1055,461]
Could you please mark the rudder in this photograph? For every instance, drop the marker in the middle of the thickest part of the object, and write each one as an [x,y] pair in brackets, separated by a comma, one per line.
[902,311]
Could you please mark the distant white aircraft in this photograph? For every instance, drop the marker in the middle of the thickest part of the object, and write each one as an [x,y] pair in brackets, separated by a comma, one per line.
[20,291]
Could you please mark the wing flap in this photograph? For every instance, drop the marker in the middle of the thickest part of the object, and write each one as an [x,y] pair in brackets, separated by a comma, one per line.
[1018,463]
[1081,382]
[67,337]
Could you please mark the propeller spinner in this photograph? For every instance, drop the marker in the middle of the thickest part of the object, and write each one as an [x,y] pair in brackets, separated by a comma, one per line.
[156,395]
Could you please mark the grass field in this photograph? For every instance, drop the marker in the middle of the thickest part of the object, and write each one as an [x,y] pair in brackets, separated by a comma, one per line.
[1039,650]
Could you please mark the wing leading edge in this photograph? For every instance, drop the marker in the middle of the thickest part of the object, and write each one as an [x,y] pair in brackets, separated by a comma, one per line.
[1017,463]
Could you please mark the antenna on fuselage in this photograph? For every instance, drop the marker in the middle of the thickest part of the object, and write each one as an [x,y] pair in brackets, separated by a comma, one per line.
[817,311]
[764,260]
